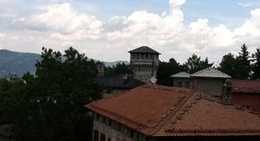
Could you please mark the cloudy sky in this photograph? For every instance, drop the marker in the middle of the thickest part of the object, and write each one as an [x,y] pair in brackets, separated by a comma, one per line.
[108,29]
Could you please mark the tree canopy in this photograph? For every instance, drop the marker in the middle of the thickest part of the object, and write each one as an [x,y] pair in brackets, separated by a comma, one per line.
[228,65]
[50,105]
[256,65]
[239,67]
[243,67]
[166,69]
[120,68]
[194,64]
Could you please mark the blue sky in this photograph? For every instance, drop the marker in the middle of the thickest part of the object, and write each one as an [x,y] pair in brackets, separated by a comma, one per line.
[106,30]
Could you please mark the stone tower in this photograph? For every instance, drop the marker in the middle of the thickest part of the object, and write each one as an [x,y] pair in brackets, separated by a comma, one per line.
[100,68]
[144,63]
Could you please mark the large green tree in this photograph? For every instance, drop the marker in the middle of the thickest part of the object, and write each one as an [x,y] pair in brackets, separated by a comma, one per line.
[256,65]
[50,105]
[243,63]
[194,64]
[229,65]
[166,69]
[12,102]
[120,68]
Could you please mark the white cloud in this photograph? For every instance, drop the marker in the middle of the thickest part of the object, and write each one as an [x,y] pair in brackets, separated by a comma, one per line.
[176,3]
[249,32]
[63,20]
[61,26]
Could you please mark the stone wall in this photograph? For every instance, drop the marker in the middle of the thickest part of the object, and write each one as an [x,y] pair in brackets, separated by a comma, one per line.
[213,87]
[144,65]
[183,83]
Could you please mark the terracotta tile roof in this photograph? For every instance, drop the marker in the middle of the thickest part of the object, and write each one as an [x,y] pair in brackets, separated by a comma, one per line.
[246,86]
[167,111]
[144,49]
[210,73]
[205,117]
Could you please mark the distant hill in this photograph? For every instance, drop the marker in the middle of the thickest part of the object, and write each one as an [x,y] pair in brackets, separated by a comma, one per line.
[17,63]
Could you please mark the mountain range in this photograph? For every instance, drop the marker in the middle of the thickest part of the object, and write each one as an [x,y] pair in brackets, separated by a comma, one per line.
[18,63]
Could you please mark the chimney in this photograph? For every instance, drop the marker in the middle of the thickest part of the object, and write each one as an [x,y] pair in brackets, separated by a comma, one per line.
[227,93]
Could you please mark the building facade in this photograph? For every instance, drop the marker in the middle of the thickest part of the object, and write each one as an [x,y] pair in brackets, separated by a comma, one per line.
[182,80]
[246,94]
[209,81]
[144,63]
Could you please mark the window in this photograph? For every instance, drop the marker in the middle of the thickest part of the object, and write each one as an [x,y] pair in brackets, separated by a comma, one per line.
[96,135]
[109,122]
[97,116]
[104,120]
[102,137]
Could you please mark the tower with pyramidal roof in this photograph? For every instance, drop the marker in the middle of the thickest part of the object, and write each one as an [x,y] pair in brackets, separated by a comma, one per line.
[144,63]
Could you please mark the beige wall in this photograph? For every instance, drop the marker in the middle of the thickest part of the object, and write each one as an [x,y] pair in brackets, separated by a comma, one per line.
[114,130]
[109,132]
[213,87]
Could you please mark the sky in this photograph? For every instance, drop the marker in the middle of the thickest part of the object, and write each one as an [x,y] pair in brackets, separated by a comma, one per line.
[107,29]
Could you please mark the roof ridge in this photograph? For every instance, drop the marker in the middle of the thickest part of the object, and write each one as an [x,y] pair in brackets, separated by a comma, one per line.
[185,107]
[216,100]
[173,110]
[214,73]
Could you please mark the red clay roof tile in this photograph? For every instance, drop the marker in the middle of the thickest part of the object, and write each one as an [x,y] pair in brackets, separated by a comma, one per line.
[166,111]
[246,86]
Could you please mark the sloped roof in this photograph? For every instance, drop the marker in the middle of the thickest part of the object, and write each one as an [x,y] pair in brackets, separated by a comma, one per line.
[167,111]
[210,73]
[144,49]
[181,75]
[246,86]
[119,81]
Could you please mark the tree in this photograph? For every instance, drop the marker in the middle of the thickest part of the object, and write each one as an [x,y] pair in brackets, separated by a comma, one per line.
[12,92]
[166,69]
[243,68]
[55,98]
[120,68]
[256,65]
[229,65]
[194,64]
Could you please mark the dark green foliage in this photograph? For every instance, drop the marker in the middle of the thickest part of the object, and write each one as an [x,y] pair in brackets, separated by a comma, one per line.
[256,65]
[238,67]
[194,64]
[243,66]
[229,65]
[12,93]
[120,68]
[166,69]
[50,105]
